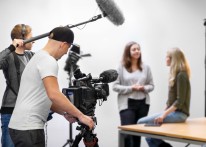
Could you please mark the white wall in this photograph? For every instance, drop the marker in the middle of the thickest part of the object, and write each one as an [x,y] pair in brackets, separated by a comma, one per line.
[156,25]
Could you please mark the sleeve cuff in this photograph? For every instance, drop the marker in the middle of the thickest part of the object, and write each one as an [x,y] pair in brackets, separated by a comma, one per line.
[12,48]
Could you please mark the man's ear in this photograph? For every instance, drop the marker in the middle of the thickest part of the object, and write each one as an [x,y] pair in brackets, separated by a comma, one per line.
[62,44]
[65,43]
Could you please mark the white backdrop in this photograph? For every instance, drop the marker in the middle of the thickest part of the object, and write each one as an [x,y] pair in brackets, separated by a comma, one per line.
[156,25]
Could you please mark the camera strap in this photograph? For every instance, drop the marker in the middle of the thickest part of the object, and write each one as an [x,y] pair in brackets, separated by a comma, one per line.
[9,85]
[17,65]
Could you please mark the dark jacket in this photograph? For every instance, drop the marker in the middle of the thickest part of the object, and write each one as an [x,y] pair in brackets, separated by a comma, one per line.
[7,64]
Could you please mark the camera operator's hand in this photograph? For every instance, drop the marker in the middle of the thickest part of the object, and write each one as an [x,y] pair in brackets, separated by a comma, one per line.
[87,121]
[70,118]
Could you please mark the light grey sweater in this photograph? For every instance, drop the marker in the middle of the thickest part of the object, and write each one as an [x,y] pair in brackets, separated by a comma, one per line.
[125,80]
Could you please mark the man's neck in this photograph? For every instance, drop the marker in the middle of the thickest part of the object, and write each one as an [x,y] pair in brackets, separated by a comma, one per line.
[20,50]
[51,48]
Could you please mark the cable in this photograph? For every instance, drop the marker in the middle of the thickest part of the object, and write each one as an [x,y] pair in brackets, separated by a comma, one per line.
[46,136]
[88,20]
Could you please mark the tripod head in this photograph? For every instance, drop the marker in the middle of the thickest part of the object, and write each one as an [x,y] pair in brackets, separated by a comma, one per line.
[89,138]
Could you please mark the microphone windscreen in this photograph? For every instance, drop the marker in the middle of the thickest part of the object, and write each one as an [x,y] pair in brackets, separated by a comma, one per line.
[111,10]
[109,76]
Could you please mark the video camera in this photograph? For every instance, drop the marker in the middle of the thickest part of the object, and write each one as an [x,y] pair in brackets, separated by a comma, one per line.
[84,92]
[87,90]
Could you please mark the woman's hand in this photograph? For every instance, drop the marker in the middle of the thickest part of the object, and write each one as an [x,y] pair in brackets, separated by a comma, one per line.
[137,87]
[165,113]
[159,120]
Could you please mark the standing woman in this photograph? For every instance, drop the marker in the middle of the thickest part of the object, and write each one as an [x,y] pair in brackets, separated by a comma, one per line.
[13,61]
[133,86]
[178,103]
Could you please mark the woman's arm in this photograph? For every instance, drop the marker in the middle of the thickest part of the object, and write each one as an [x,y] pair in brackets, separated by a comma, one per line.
[118,87]
[182,87]
[149,86]
[160,119]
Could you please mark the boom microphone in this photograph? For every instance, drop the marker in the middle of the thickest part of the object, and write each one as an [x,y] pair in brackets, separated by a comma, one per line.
[111,11]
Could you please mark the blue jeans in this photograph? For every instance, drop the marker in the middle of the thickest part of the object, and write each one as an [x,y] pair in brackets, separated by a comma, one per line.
[174,117]
[5,138]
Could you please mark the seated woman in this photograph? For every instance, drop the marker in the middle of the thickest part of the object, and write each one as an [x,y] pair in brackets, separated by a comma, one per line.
[178,103]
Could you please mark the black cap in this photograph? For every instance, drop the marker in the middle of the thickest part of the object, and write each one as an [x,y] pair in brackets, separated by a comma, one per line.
[63,34]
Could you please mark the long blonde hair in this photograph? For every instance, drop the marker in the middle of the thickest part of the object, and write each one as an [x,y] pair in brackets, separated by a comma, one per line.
[178,63]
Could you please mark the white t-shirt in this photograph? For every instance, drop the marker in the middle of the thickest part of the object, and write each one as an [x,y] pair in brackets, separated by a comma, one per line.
[33,105]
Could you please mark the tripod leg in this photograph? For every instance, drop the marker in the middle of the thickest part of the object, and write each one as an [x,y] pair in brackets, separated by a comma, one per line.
[70,134]
[68,142]
[96,145]
[77,140]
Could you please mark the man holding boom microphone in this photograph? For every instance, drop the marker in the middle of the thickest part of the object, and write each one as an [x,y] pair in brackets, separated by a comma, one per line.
[12,62]
[39,92]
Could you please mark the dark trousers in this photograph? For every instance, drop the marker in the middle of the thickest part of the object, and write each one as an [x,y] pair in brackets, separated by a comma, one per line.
[28,138]
[136,110]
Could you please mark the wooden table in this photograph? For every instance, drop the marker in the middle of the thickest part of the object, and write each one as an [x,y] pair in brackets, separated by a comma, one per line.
[193,131]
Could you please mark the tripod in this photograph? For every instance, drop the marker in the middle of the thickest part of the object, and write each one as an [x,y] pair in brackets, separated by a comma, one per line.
[90,139]
[71,61]
[205,64]
[70,140]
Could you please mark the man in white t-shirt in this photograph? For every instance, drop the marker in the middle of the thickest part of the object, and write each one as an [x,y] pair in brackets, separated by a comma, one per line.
[39,92]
